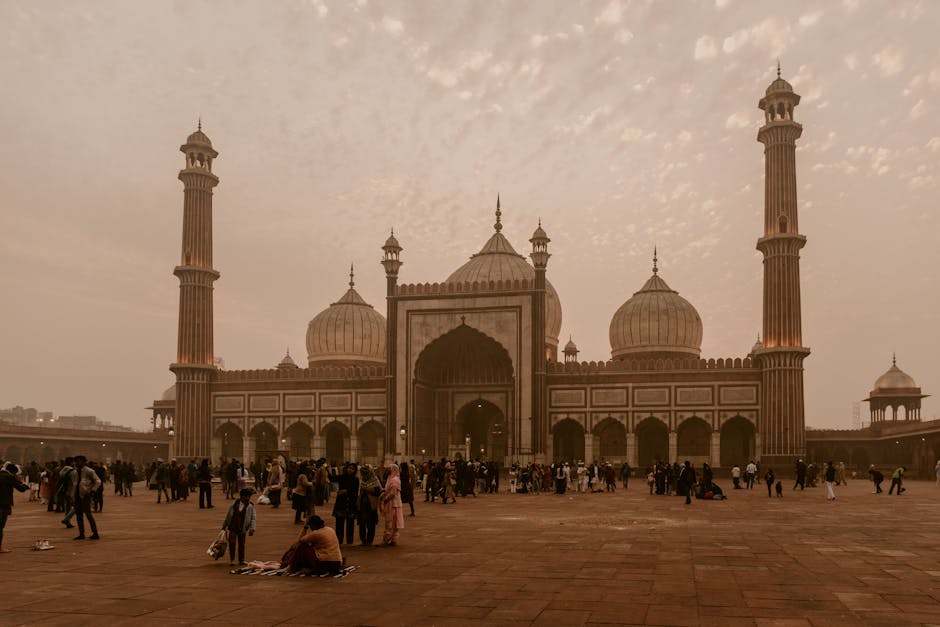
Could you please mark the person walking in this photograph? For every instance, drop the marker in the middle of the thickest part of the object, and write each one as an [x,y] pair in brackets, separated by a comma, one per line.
[86,485]
[344,507]
[369,490]
[830,477]
[275,483]
[9,481]
[750,474]
[736,476]
[769,479]
[300,496]
[897,479]
[876,478]
[800,474]
[936,470]
[239,522]
[625,474]
[391,507]
[687,481]
[204,478]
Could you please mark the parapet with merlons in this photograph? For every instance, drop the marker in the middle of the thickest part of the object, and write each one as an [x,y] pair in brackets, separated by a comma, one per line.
[648,365]
[346,373]
[475,287]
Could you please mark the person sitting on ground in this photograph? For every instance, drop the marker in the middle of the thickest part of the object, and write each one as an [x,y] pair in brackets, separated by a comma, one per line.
[316,550]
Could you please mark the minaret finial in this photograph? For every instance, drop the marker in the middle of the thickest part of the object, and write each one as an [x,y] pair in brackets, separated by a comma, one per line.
[894,359]
[288,351]
[778,67]
[352,275]
[655,260]
[499,225]
[199,124]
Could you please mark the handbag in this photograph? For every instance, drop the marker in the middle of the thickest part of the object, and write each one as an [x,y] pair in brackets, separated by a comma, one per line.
[217,548]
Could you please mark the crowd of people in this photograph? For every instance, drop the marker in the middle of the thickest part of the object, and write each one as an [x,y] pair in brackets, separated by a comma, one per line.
[358,496]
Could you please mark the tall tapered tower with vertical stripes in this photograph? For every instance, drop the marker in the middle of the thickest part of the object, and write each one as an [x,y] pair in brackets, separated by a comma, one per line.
[783,424]
[194,366]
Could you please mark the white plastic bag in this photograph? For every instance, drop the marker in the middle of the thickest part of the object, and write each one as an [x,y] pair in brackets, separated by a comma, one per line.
[217,548]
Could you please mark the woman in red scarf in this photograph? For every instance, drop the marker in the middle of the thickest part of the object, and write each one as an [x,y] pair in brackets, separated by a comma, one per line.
[391,507]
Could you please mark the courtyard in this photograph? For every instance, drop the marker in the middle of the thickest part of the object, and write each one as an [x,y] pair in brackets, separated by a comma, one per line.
[626,558]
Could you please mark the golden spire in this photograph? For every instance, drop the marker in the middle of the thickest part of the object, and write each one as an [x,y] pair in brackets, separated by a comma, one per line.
[498,226]
[655,260]
[352,282]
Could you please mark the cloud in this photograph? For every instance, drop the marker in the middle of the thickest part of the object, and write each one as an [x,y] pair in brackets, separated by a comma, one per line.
[392,26]
[810,19]
[934,144]
[739,120]
[720,4]
[918,110]
[623,36]
[705,48]
[537,40]
[850,61]
[770,35]
[889,61]
[612,14]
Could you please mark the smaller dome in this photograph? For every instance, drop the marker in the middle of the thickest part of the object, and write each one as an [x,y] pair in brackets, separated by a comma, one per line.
[894,379]
[199,138]
[758,345]
[540,234]
[287,362]
[779,85]
[347,332]
[392,242]
[169,394]
[571,347]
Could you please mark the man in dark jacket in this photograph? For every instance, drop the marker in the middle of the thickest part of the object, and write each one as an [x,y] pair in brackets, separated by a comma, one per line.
[8,482]
[687,481]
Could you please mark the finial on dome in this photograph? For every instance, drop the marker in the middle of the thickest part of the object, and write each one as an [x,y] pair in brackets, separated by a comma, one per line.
[199,124]
[352,275]
[498,226]
[655,260]
[894,359]
[778,67]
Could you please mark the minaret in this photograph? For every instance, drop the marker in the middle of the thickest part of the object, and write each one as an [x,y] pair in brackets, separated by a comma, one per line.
[782,422]
[194,358]
[392,264]
[540,356]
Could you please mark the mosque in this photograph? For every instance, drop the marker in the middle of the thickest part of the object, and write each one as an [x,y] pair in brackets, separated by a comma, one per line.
[470,366]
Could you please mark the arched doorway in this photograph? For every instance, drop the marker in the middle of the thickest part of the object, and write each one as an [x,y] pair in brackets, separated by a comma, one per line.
[693,441]
[232,441]
[336,435]
[652,442]
[371,442]
[484,423]
[266,444]
[460,361]
[300,436]
[612,440]
[568,441]
[737,442]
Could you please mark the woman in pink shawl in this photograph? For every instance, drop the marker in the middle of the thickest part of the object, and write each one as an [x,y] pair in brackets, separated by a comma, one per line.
[390,505]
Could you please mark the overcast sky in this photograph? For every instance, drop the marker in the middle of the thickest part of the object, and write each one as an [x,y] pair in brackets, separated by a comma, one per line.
[621,125]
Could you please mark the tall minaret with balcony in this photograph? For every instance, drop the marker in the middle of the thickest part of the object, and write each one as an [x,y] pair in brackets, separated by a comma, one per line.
[540,356]
[392,264]
[194,366]
[783,423]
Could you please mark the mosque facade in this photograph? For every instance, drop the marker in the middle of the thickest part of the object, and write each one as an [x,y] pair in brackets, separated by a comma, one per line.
[471,365]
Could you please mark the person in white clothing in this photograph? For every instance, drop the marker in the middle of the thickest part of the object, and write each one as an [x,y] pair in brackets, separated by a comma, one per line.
[750,474]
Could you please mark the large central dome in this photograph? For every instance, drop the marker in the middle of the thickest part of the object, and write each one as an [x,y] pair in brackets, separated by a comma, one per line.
[655,322]
[498,260]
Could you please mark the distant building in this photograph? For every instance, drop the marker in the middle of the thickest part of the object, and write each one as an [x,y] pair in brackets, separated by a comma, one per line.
[76,422]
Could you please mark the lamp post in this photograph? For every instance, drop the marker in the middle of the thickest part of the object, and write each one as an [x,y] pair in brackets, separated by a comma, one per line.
[466,443]
[403,432]
[171,452]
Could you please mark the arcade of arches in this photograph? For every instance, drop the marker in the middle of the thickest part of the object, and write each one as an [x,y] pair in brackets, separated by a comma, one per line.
[694,439]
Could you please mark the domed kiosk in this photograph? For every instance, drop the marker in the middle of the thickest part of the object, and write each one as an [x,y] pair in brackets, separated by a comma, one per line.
[895,390]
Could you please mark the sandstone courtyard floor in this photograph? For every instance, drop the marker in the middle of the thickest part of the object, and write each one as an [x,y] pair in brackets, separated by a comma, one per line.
[625,558]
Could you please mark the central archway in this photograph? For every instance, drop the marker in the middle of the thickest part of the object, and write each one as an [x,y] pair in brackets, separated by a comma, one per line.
[652,442]
[459,363]
[568,441]
[484,423]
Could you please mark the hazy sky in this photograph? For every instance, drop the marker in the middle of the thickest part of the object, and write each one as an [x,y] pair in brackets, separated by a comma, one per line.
[621,125]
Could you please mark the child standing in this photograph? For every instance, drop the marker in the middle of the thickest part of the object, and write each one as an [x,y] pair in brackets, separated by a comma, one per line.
[239,522]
